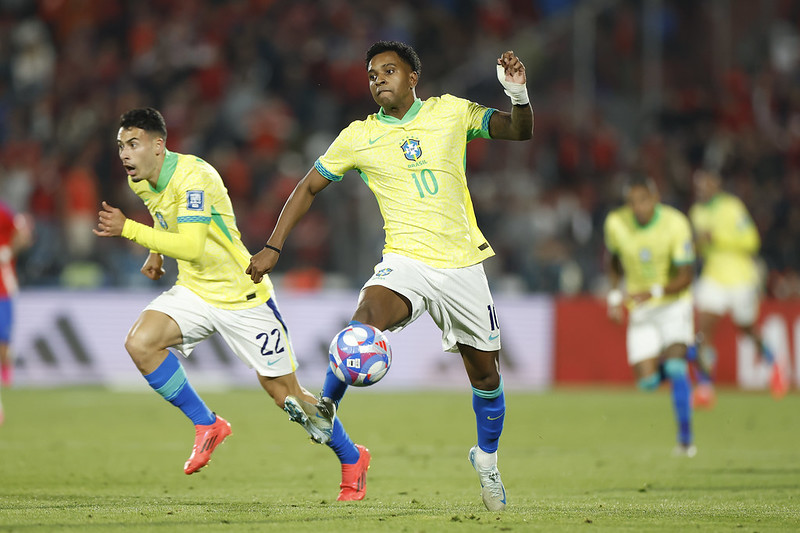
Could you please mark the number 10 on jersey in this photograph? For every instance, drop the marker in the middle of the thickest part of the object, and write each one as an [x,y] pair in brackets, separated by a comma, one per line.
[425,182]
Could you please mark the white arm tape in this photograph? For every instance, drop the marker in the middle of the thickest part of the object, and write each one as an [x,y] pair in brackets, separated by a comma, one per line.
[518,92]
[656,291]
[614,298]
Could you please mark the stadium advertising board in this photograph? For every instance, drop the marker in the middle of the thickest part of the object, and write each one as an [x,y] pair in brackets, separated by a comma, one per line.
[73,338]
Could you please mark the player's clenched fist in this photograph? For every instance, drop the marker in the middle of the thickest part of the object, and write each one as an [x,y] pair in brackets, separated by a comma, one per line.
[262,263]
[110,222]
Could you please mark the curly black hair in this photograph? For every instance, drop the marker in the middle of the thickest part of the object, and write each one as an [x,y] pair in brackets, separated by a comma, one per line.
[146,118]
[404,51]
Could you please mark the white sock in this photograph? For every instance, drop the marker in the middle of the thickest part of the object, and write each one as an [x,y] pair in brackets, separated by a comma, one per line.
[485,460]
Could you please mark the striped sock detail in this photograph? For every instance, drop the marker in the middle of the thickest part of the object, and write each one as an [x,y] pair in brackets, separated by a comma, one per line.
[170,381]
[489,394]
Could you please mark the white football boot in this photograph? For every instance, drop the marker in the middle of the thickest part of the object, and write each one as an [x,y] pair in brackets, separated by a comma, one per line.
[492,489]
[684,450]
[316,419]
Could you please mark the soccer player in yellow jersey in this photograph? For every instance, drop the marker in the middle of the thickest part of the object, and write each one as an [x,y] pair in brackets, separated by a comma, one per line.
[195,224]
[650,246]
[727,240]
[411,154]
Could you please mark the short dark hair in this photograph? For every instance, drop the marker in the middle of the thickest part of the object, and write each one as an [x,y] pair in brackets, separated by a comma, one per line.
[404,51]
[146,118]
[638,179]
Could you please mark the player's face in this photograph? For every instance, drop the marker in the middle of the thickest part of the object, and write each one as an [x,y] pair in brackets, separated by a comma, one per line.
[139,151]
[706,185]
[643,203]
[391,80]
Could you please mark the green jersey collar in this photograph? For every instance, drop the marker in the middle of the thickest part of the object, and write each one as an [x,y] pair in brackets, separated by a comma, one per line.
[714,199]
[167,170]
[408,117]
[653,219]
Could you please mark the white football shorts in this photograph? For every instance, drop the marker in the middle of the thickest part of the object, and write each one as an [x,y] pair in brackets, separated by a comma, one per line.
[258,335]
[655,327]
[458,300]
[741,301]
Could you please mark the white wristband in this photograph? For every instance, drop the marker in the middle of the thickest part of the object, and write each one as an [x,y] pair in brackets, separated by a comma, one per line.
[656,291]
[518,92]
[614,298]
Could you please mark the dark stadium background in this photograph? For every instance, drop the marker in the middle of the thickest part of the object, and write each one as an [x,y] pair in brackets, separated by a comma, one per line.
[259,88]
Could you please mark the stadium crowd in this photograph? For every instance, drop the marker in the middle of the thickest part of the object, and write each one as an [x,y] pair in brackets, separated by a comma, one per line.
[260,88]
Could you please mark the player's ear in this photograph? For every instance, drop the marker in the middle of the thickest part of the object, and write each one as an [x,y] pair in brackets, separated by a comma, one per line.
[159,145]
[413,78]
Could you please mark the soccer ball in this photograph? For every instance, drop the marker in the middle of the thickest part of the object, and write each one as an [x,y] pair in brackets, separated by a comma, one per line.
[360,355]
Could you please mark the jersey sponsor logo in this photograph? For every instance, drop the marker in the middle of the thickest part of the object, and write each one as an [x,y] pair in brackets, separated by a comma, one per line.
[645,255]
[411,149]
[493,336]
[161,221]
[195,200]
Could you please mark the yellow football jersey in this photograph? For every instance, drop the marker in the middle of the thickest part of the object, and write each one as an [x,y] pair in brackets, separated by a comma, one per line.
[415,166]
[650,253]
[728,257]
[190,191]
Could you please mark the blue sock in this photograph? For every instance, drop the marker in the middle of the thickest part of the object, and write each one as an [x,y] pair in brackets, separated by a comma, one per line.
[333,387]
[169,380]
[342,445]
[490,411]
[677,372]
[692,357]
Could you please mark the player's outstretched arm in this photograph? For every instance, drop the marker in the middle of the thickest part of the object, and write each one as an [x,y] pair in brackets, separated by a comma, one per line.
[187,244]
[295,208]
[517,125]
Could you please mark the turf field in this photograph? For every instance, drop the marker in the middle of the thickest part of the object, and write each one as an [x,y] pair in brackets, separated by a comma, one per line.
[572,460]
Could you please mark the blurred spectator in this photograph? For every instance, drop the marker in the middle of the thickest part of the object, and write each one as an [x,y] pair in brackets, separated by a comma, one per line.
[261,87]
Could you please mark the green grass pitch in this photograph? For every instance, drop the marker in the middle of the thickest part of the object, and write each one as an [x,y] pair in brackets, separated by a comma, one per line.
[571,459]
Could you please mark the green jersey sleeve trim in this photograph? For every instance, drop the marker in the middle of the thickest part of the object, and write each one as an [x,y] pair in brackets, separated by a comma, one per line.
[326,173]
[204,220]
[220,223]
[483,132]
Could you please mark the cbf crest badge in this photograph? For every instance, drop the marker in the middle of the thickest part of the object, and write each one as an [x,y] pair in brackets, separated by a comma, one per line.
[411,149]
[161,221]
[382,273]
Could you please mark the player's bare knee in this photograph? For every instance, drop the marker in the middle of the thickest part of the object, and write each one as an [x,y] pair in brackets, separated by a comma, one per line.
[486,382]
[145,355]
[136,345]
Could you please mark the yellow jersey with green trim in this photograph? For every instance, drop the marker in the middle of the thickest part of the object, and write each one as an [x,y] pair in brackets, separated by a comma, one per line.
[415,166]
[650,253]
[190,191]
[728,257]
